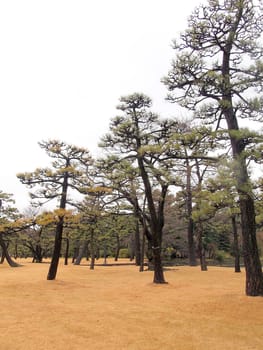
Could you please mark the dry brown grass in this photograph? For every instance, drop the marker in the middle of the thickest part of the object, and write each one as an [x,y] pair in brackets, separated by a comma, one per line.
[119,308]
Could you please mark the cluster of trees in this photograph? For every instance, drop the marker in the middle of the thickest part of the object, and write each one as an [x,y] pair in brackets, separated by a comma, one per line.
[198,169]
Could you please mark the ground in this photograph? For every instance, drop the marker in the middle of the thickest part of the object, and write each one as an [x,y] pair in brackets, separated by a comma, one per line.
[117,307]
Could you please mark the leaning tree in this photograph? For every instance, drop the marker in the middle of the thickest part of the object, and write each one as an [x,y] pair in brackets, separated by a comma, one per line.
[218,73]
[69,173]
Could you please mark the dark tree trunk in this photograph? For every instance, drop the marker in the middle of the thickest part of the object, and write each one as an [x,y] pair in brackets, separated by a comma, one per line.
[82,251]
[131,248]
[156,216]
[92,250]
[201,250]
[16,251]
[158,268]
[59,231]
[56,252]
[157,259]
[97,253]
[36,252]
[157,262]
[199,226]
[117,250]
[235,244]
[190,227]
[158,276]
[191,243]
[92,262]
[149,255]
[38,256]
[5,253]
[87,253]
[105,254]
[254,275]
[2,258]
[131,254]
[142,252]
[137,244]
[66,251]
[75,254]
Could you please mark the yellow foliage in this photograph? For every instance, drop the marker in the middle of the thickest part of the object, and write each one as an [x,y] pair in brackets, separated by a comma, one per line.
[53,216]
[10,226]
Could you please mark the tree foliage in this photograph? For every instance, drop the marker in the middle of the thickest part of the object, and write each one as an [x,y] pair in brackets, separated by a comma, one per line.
[70,171]
[217,72]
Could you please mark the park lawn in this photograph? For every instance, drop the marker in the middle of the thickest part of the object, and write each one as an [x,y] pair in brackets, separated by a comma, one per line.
[117,307]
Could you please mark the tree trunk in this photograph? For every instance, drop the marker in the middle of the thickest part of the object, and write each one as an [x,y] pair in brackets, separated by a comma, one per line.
[142,252]
[137,248]
[191,243]
[75,253]
[156,221]
[117,250]
[82,250]
[38,248]
[92,262]
[59,231]
[98,253]
[235,244]
[57,249]
[254,277]
[5,253]
[131,248]
[16,251]
[158,276]
[201,250]
[92,250]
[2,257]
[105,254]
[66,251]
[87,252]
[190,227]
[38,254]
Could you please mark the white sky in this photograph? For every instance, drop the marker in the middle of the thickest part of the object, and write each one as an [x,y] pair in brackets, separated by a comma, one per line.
[64,64]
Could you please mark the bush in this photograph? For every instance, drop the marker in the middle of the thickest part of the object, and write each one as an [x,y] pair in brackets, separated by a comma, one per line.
[220,256]
[124,253]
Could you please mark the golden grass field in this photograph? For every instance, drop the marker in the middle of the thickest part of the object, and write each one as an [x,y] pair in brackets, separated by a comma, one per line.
[117,307]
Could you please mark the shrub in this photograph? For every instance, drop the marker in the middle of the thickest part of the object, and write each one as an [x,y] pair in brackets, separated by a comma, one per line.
[220,256]
[124,253]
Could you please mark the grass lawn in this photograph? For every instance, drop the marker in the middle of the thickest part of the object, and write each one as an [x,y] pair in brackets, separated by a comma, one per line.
[117,307]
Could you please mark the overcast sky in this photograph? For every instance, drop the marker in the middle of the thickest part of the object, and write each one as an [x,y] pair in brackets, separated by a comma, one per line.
[64,64]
